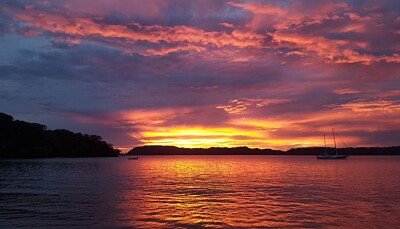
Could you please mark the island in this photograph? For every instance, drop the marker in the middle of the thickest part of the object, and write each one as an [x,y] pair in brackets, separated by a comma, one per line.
[19,139]
[172,150]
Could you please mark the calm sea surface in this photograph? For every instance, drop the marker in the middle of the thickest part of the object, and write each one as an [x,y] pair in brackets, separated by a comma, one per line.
[201,192]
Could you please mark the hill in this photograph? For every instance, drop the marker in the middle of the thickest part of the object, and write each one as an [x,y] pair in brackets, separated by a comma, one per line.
[172,150]
[19,139]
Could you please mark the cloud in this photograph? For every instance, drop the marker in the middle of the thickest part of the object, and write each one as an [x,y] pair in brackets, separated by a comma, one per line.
[239,106]
[191,38]
[311,30]
[204,73]
[261,8]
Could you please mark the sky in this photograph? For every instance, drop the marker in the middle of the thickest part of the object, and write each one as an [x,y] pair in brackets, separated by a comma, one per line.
[191,73]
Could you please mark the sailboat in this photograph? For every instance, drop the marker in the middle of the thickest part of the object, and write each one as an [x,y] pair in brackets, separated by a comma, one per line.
[327,156]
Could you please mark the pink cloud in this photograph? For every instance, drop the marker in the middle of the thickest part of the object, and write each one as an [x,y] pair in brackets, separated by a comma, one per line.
[227,25]
[191,38]
[260,8]
[289,21]
[333,51]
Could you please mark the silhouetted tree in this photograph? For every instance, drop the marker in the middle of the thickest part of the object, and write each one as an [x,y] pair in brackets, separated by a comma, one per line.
[19,139]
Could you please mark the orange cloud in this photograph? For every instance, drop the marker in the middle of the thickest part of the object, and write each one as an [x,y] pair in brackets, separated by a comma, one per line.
[288,16]
[368,107]
[165,51]
[289,19]
[164,127]
[334,51]
[344,91]
[184,37]
[239,106]
[227,25]
[260,8]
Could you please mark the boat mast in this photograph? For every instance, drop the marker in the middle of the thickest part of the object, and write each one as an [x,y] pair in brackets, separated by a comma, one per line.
[334,139]
[325,143]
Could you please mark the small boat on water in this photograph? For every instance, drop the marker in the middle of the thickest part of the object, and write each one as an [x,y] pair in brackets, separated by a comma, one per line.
[133,158]
[327,156]
[331,157]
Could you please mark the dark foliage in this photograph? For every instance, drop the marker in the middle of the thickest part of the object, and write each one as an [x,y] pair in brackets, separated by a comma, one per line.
[172,150]
[20,139]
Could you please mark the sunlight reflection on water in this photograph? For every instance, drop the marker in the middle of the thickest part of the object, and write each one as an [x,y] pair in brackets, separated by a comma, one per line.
[201,191]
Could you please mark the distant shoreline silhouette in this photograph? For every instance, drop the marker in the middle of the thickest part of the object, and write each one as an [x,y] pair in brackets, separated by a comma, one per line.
[172,150]
[19,139]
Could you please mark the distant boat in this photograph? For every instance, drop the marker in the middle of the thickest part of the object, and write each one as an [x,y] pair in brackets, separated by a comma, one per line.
[327,156]
[331,157]
[133,158]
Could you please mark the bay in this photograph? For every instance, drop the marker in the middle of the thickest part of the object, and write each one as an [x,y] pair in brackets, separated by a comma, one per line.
[201,192]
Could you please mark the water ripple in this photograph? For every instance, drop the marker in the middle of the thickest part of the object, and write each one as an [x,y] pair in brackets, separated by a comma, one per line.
[200,192]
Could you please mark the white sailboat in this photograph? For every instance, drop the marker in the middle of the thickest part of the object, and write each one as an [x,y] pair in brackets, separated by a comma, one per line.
[327,156]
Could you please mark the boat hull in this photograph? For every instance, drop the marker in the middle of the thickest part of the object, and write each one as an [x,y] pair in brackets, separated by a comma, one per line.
[332,157]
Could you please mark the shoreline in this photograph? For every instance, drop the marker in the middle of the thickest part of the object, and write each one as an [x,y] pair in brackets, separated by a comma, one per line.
[310,151]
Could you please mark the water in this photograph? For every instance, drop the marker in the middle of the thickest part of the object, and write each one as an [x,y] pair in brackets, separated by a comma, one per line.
[201,192]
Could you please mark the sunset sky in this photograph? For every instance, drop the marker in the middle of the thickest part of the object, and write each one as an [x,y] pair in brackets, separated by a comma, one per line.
[201,73]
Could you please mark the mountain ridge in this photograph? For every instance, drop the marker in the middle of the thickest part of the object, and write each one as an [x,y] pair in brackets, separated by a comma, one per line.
[173,150]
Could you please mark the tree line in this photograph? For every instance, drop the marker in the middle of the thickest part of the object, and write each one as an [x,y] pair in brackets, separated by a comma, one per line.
[19,139]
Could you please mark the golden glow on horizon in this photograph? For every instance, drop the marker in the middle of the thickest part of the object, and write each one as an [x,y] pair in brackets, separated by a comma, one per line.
[222,137]
[157,127]
[199,131]
[237,131]
[265,124]
[195,137]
